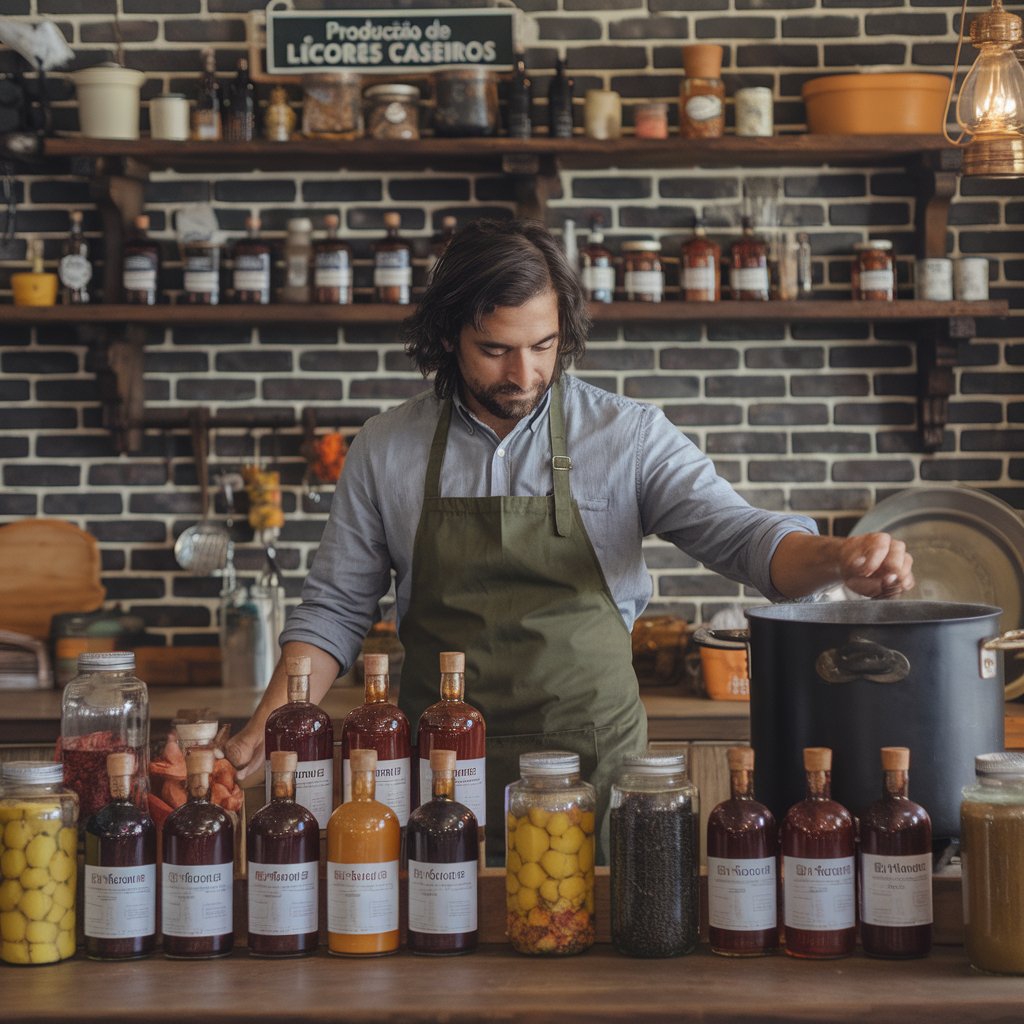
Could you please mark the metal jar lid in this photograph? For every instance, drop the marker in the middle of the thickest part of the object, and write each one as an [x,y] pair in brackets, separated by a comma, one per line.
[654,764]
[1000,765]
[876,243]
[107,661]
[34,772]
[641,247]
[549,762]
[395,91]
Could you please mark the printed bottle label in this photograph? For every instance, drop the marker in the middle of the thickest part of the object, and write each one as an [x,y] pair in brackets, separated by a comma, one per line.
[818,895]
[703,108]
[896,891]
[332,270]
[138,274]
[644,282]
[391,785]
[470,785]
[74,271]
[314,788]
[120,903]
[699,279]
[283,898]
[750,279]
[741,894]
[876,281]
[599,279]
[201,274]
[392,277]
[362,899]
[196,899]
[442,897]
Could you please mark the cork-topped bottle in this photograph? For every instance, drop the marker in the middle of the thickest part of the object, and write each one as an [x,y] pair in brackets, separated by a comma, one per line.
[700,278]
[332,266]
[895,867]
[306,729]
[140,266]
[251,271]
[392,265]
[749,278]
[597,268]
[818,844]
[75,267]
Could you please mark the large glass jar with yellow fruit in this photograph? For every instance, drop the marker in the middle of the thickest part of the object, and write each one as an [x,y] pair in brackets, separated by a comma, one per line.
[549,859]
[38,863]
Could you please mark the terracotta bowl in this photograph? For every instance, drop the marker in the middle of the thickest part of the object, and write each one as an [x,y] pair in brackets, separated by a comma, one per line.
[876,103]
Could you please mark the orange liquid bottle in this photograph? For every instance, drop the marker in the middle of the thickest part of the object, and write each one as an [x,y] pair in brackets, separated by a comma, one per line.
[363,841]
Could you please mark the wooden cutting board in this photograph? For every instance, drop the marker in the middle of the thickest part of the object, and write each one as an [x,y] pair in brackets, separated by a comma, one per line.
[47,566]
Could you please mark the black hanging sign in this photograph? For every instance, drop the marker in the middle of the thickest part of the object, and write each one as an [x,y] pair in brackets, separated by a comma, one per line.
[377,41]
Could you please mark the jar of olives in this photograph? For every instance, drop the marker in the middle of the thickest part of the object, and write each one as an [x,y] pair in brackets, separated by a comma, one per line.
[38,863]
[549,861]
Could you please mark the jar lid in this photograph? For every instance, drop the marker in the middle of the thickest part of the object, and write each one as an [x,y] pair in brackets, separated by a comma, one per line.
[641,246]
[875,243]
[107,661]
[655,764]
[407,92]
[549,762]
[1001,765]
[300,224]
[48,772]
[169,96]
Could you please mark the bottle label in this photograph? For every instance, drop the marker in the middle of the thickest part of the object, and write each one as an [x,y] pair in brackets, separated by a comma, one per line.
[252,272]
[314,788]
[196,901]
[139,274]
[283,898]
[332,277]
[818,895]
[120,903]
[206,125]
[391,785]
[394,258]
[362,899]
[470,785]
[876,281]
[392,277]
[896,891]
[201,274]
[644,282]
[599,280]
[742,894]
[74,271]
[703,108]
[442,897]
[699,279]
[749,279]
[297,267]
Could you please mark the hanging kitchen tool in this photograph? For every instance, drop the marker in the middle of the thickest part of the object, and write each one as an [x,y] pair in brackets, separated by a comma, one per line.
[202,549]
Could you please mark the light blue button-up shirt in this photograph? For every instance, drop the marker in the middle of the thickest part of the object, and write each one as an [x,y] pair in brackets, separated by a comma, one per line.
[633,474]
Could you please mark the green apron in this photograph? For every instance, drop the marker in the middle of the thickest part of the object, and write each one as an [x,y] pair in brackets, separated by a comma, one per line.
[515,583]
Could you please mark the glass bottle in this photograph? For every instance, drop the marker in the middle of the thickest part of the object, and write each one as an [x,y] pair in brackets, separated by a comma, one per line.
[655,858]
[38,863]
[332,266]
[700,275]
[804,273]
[819,906]
[392,265]
[363,843]
[549,856]
[452,724]
[240,115]
[197,874]
[298,257]
[443,867]
[252,259]
[206,125]
[597,266]
[895,863]
[702,93]
[120,872]
[379,725]
[520,101]
[140,266]
[104,710]
[303,727]
[75,268]
[643,278]
[278,118]
[440,241]
[749,278]
[284,869]
[201,265]
[560,103]
[742,863]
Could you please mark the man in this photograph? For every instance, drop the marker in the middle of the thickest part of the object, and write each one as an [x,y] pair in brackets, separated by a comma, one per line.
[511,503]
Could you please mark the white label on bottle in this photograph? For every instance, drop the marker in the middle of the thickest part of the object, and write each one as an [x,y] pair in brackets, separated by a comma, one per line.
[742,894]
[283,898]
[391,785]
[314,788]
[251,280]
[644,282]
[876,281]
[120,903]
[196,899]
[139,280]
[362,899]
[332,277]
[599,279]
[470,785]
[818,895]
[74,271]
[749,279]
[896,891]
[392,277]
[204,281]
[297,270]
[442,897]
[699,279]
[703,108]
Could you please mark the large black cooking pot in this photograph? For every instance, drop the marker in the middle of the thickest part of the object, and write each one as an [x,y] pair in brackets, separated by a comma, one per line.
[859,675]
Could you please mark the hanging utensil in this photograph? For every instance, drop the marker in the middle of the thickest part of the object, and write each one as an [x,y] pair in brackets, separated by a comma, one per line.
[202,550]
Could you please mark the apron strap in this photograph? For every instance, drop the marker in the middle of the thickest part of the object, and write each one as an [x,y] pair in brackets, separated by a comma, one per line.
[432,481]
[560,463]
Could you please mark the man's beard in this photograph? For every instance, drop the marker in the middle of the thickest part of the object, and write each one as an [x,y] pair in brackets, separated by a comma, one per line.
[509,402]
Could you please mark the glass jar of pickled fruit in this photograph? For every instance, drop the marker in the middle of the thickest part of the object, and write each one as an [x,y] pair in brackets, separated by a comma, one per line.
[38,863]
[549,860]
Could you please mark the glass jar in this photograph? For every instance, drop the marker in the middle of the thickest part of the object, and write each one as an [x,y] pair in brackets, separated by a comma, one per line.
[298,255]
[643,277]
[655,857]
[992,857]
[466,102]
[549,860]
[392,112]
[702,108]
[38,863]
[332,106]
[105,710]
[872,276]
[650,121]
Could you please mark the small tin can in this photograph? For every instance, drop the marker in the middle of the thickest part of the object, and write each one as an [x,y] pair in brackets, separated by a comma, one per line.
[754,112]
[970,279]
[933,279]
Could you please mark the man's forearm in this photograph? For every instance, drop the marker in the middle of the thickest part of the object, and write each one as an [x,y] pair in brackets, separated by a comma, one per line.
[803,563]
[323,671]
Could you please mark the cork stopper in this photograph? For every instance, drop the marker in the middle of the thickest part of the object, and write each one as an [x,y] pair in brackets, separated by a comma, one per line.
[375,664]
[895,759]
[253,223]
[392,220]
[299,666]
[442,760]
[453,661]
[191,734]
[142,222]
[741,759]
[363,760]
[331,221]
[283,760]
[199,762]
[817,759]
[449,223]
[122,763]
[76,216]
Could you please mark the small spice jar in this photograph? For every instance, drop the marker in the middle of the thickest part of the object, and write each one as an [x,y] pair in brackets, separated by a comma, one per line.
[643,277]
[702,94]
[872,276]
[933,279]
[655,858]
[650,121]
[549,860]
[392,112]
[466,102]
[332,106]
[970,279]
[38,863]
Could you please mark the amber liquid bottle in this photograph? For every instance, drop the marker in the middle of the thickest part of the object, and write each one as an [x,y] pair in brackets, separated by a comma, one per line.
[197,875]
[743,853]
[284,866]
[380,726]
[332,266]
[819,906]
[895,867]
[452,724]
[240,116]
[700,278]
[75,268]
[120,872]
[363,844]
[140,267]
[251,274]
[749,277]
[392,265]
[597,268]
[443,865]
[206,125]
[306,729]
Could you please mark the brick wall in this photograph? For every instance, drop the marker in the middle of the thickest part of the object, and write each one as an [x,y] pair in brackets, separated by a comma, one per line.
[816,418]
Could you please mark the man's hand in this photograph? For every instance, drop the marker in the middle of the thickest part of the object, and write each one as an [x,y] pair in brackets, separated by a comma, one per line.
[245,750]
[876,565]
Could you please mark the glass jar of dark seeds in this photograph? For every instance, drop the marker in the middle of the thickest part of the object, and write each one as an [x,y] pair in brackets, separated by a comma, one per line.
[655,857]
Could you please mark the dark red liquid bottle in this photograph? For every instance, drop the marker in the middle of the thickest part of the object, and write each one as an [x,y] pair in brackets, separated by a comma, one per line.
[895,867]
[197,877]
[818,877]
[284,863]
[120,872]
[443,863]
[306,729]
[743,852]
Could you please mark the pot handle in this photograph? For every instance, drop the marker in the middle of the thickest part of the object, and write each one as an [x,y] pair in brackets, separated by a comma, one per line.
[1012,640]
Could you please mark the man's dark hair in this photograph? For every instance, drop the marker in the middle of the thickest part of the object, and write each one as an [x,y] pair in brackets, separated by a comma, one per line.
[491,264]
